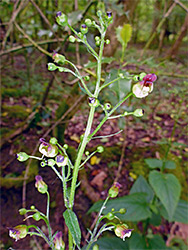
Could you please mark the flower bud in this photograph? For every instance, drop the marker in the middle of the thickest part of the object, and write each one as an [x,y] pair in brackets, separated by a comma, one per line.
[22,156]
[107,106]
[65,146]
[138,112]
[22,211]
[122,211]
[48,149]
[107,41]
[87,153]
[100,149]
[122,231]
[88,22]
[61,160]
[110,216]
[36,216]
[61,19]
[52,67]
[142,75]
[109,16]
[136,78]
[84,29]
[32,207]
[40,184]
[99,13]
[58,58]
[43,164]
[58,241]
[95,247]
[18,232]
[97,43]
[51,162]
[87,78]
[114,190]
[93,102]
[72,39]
[97,38]
[125,113]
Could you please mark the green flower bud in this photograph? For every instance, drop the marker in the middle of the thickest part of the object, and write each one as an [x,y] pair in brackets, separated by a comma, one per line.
[87,78]
[114,190]
[96,247]
[22,156]
[53,141]
[121,75]
[97,43]
[36,216]
[87,153]
[135,78]
[107,106]
[88,22]
[97,38]
[122,211]
[84,29]
[18,232]
[107,41]
[72,39]
[141,76]
[61,19]
[52,67]
[43,164]
[125,113]
[65,146]
[100,149]
[113,209]
[40,185]
[138,112]
[32,207]
[110,216]
[58,58]
[93,102]
[22,211]
[61,160]
[51,162]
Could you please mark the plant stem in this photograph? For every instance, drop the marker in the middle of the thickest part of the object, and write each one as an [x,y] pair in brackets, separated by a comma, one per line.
[48,205]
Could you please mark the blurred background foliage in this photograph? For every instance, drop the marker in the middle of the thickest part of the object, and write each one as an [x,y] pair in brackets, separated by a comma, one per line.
[37,103]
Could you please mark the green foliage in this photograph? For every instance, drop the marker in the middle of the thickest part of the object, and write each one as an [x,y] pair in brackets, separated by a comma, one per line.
[124,34]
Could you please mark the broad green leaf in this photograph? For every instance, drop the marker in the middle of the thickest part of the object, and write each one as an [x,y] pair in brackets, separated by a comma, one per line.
[112,243]
[156,242]
[72,224]
[136,206]
[124,33]
[170,164]
[137,242]
[180,214]
[154,163]
[167,189]
[141,185]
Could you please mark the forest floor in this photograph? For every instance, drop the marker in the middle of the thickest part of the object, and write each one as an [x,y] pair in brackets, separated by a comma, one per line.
[165,120]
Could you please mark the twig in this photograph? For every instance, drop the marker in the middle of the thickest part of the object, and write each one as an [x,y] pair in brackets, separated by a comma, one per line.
[181,4]
[33,42]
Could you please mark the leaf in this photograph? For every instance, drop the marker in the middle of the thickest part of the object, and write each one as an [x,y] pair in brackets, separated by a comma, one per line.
[124,34]
[141,185]
[72,224]
[156,242]
[170,164]
[135,204]
[167,189]
[154,163]
[180,214]
[137,242]
[90,64]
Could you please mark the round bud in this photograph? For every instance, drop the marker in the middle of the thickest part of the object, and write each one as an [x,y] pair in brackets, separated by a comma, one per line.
[107,106]
[43,164]
[84,29]
[65,146]
[141,76]
[113,209]
[107,41]
[97,43]
[37,216]
[138,112]
[97,38]
[32,207]
[93,102]
[100,149]
[22,211]
[52,67]
[87,153]
[22,156]
[121,75]
[125,113]
[135,78]
[110,216]
[96,247]
[87,78]
[58,58]
[53,141]
[72,39]
[88,22]
[122,211]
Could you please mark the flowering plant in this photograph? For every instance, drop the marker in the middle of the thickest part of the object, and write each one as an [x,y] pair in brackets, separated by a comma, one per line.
[56,156]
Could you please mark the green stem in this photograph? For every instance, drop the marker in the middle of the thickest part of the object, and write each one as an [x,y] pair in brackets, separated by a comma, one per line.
[48,205]
[107,84]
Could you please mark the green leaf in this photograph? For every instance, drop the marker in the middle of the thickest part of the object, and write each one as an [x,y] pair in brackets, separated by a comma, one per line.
[90,64]
[167,189]
[180,214]
[72,224]
[137,242]
[170,164]
[124,33]
[141,185]
[154,163]
[136,206]
[156,242]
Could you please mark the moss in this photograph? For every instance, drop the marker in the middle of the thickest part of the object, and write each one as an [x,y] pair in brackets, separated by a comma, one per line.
[16,111]
[12,92]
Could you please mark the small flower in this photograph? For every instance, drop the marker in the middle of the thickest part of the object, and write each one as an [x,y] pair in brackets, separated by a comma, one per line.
[58,241]
[61,19]
[47,149]
[143,88]
[84,29]
[22,156]
[61,160]
[114,190]
[93,102]
[40,184]
[18,232]
[58,58]
[122,231]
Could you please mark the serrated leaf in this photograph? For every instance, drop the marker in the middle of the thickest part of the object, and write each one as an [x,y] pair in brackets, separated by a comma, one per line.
[73,226]
[141,185]
[167,189]
[154,163]
[136,206]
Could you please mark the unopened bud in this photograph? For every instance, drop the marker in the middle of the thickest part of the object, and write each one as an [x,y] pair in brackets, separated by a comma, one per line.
[107,41]
[36,216]
[58,58]
[61,160]
[61,19]
[141,76]
[93,102]
[100,149]
[72,39]
[107,106]
[88,22]
[22,211]
[84,29]
[110,216]
[40,184]
[114,190]
[22,156]
[138,112]
[52,67]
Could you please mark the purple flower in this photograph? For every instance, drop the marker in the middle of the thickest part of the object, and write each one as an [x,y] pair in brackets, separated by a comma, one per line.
[47,149]
[122,231]
[58,241]
[40,184]
[18,232]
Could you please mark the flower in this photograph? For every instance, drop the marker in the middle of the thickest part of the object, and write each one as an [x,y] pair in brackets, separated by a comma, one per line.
[58,241]
[114,190]
[22,156]
[61,160]
[40,184]
[143,88]
[18,232]
[47,149]
[122,231]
